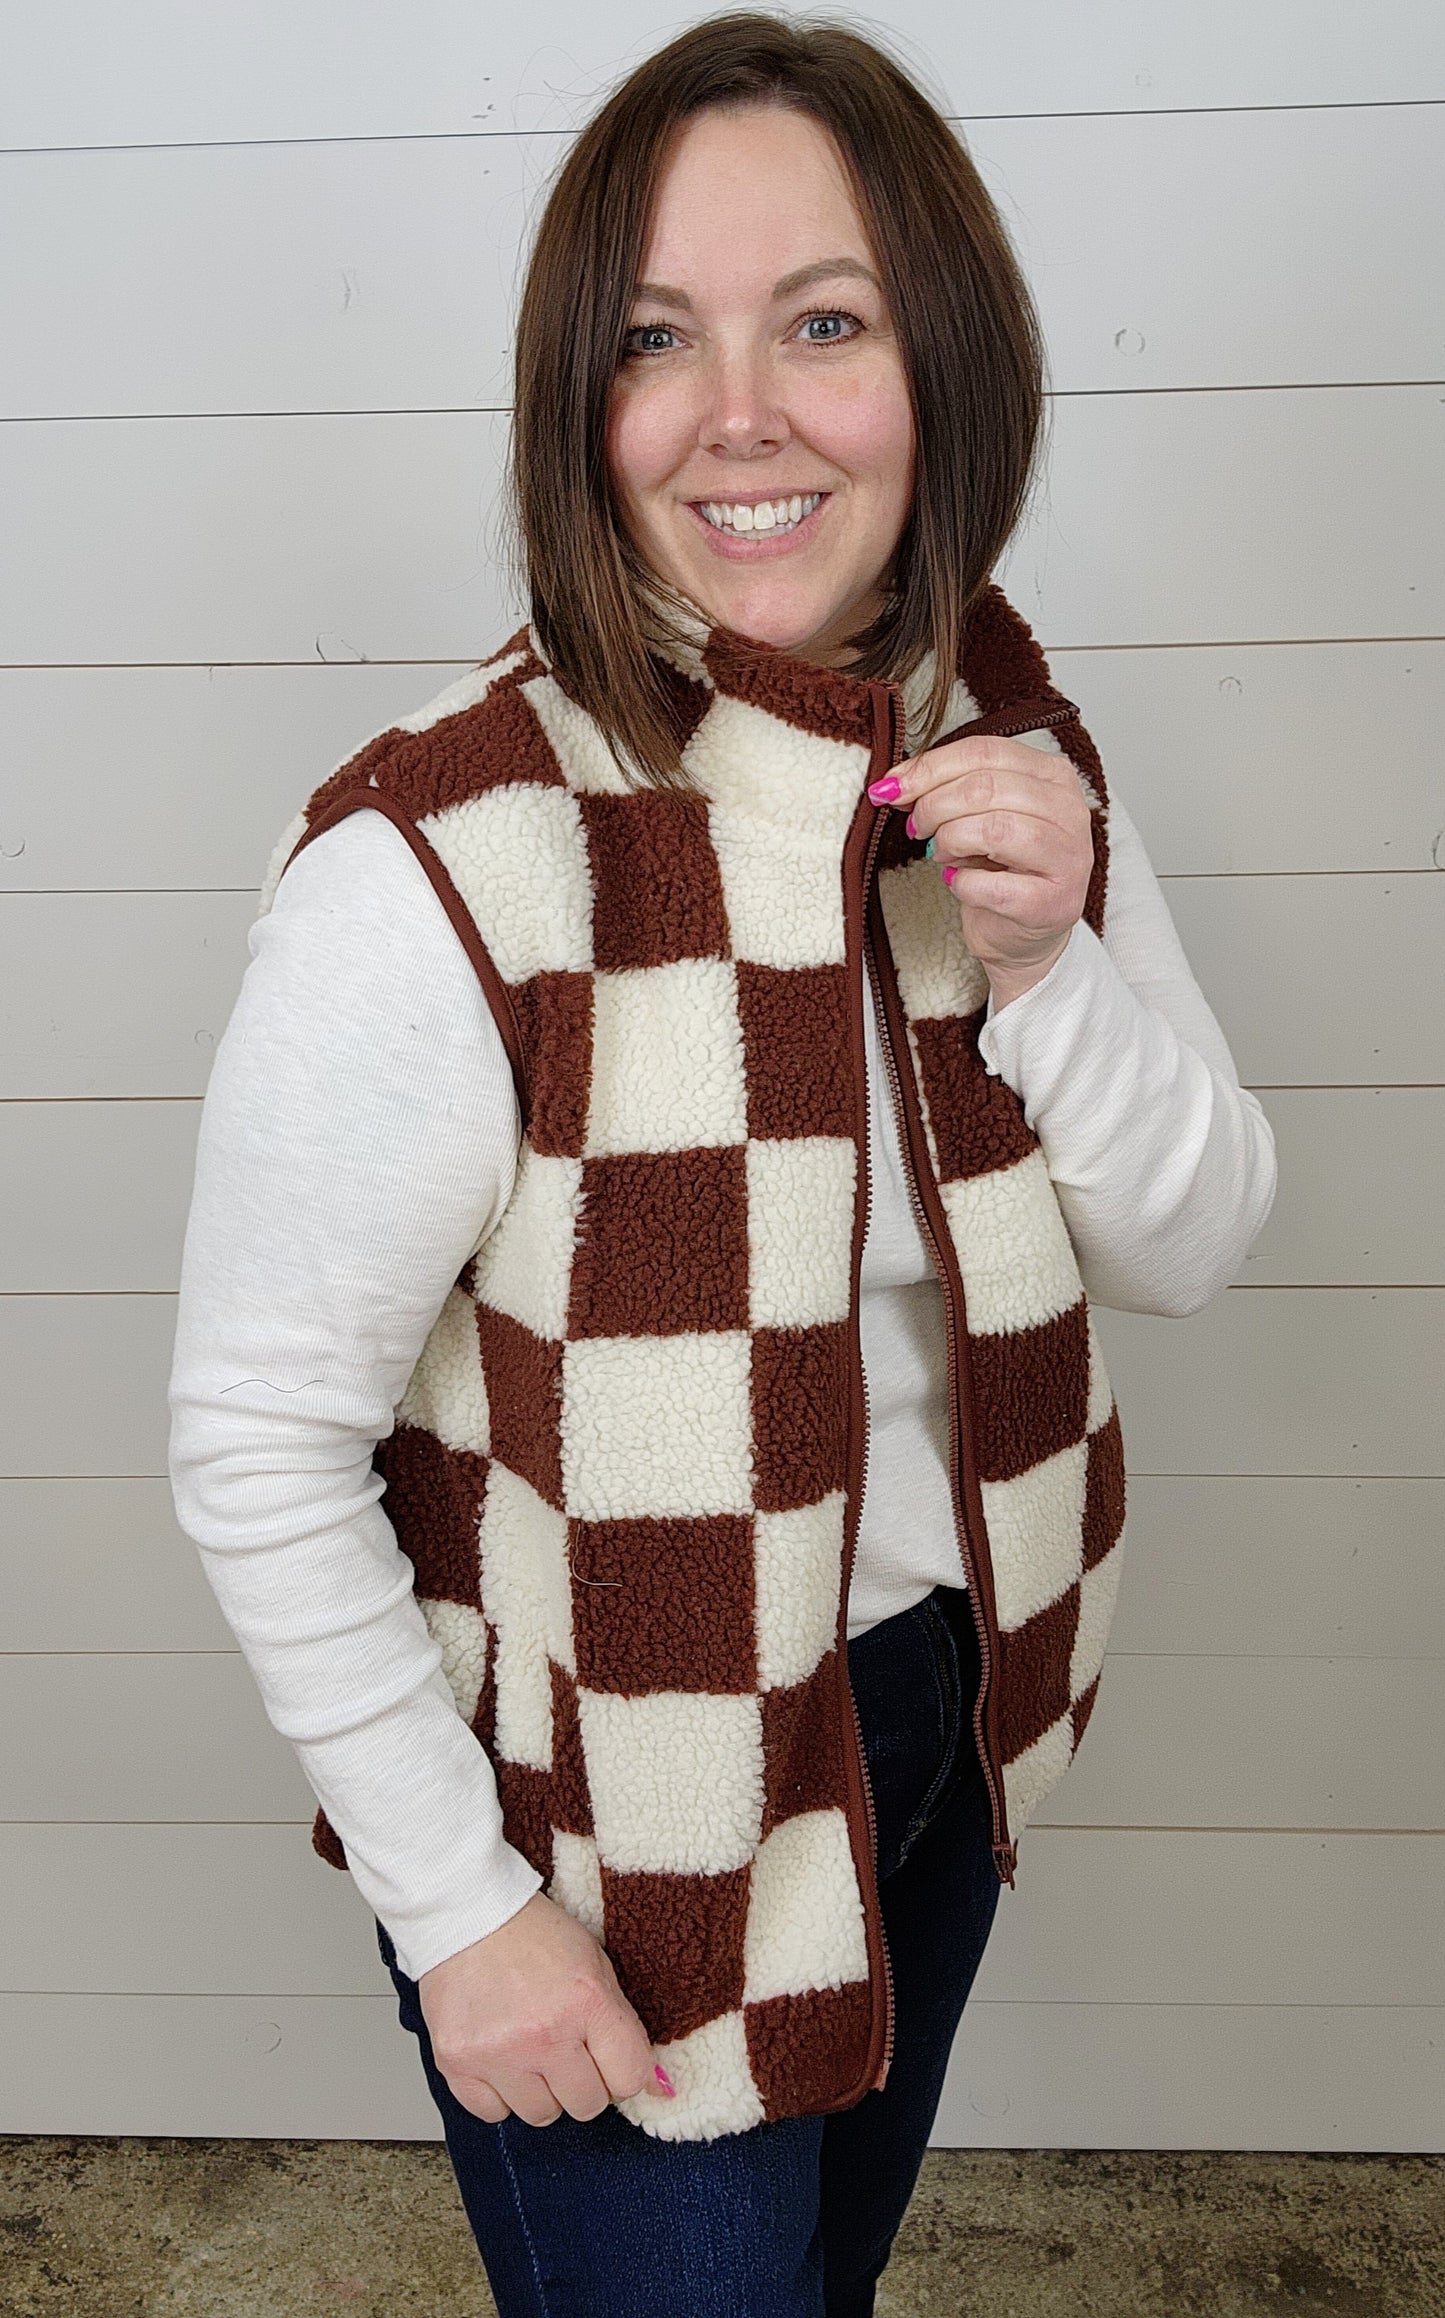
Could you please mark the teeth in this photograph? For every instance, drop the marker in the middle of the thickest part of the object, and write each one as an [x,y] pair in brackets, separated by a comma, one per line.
[767,515]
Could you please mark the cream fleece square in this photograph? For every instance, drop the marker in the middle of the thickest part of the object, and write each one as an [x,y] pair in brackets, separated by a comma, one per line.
[782,893]
[518,856]
[938,975]
[1018,1262]
[750,762]
[1036,1534]
[447,1391]
[524,1265]
[1098,1591]
[461,1636]
[805,1911]
[1032,1775]
[577,742]
[797,1578]
[800,1230]
[657,1425]
[527,1595]
[576,1883]
[715,2092]
[676,1779]
[667,1049]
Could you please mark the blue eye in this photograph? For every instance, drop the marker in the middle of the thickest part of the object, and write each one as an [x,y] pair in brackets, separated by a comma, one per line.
[830,314]
[643,330]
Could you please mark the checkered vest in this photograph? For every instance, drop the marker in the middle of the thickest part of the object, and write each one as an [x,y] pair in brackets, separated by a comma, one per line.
[629,1461]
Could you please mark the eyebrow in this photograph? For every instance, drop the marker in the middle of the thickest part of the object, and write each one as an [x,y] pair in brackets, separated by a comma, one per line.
[826,269]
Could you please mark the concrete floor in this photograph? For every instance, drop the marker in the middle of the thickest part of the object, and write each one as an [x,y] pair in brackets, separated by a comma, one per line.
[374,2229]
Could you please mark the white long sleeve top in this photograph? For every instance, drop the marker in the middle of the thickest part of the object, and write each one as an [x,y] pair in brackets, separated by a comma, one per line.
[357,1143]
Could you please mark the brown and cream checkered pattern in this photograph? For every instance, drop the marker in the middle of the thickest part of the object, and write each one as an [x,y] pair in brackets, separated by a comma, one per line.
[628,1463]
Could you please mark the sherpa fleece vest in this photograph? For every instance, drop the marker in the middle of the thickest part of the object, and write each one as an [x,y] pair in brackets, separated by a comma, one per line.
[628,1464]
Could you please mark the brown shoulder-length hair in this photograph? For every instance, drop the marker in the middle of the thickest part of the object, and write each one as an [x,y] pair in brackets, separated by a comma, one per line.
[967,327]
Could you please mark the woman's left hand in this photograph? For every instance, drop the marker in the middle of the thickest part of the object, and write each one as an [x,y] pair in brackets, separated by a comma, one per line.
[1012,834]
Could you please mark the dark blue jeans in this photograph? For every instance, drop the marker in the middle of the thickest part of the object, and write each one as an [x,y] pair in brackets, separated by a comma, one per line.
[795,2218]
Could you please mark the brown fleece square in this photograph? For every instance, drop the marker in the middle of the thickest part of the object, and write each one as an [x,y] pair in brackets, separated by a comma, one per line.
[817,700]
[978,1121]
[657,883]
[526,1824]
[1031,1393]
[806,2051]
[662,1244]
[1104,1490]
[677,1944]
[664,1605]
[523,1375]
[554,1020]
[442,1490]
[800,1389]
[795,1049]
[1034,1674]
[802,1732]
[568,1800]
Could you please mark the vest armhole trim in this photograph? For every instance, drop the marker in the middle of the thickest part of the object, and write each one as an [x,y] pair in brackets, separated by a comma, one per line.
[494,989]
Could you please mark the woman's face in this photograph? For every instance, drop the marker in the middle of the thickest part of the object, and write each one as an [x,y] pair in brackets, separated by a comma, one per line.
[761,366]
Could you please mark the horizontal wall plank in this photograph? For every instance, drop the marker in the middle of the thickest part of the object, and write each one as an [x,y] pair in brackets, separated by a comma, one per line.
[1271,1380]
[95,1194]
[1241,1565]
[323,2068]
[1321,981]
[1243,760]
[1272,1566]
[1022,2076]
[1258,1742]
[1315,980]
[1235,761]
[86,76]
[139,989]
[1174,1742]
[1118,1916]
[87,1382]
[1194,2076]
[1179,519]
[185,777]
[1283,1380]
[1330,1144]
[353,538]
[102,1565]
[1097,1917]
[1170,518]
[143,1736]
[1164,252]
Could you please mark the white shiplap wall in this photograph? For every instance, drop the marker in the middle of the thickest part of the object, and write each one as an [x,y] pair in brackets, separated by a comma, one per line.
[256,277]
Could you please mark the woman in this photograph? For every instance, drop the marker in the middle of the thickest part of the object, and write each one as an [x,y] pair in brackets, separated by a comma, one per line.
[690,1081]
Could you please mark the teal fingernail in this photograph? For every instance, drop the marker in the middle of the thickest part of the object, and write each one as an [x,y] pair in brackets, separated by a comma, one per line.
[928,850]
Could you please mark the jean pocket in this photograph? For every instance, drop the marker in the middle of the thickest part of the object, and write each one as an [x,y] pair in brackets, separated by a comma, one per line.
[946,1675]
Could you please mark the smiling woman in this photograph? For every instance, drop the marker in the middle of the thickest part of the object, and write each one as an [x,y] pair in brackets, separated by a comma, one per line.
[767,270]
[676,1116]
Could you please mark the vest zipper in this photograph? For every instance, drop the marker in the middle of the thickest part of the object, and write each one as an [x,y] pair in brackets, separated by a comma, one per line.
[1005,1850]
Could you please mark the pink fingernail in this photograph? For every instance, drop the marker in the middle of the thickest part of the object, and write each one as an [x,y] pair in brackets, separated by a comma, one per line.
[665,2080]
[950,873]
[908,825]
[883,792]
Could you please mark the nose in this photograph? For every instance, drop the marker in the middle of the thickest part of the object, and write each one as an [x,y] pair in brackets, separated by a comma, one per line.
[741,416]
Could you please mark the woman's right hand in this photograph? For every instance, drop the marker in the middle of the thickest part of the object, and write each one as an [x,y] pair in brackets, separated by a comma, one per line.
[531,2019]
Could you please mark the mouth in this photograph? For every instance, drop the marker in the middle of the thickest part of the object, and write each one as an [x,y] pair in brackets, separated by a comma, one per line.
[758,528]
